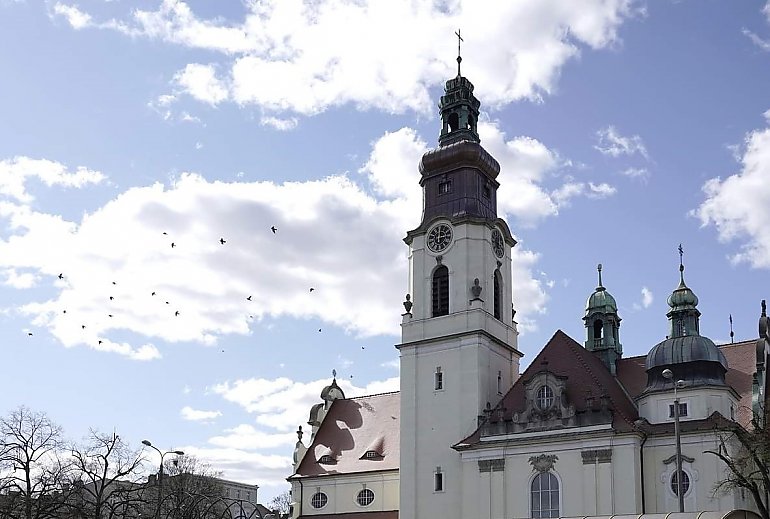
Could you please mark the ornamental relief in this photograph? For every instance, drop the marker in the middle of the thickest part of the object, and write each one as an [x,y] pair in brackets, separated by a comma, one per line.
[543,462]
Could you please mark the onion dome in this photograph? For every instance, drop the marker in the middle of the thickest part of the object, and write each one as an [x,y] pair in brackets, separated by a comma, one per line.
[332,392]
[601,300]
[693,357]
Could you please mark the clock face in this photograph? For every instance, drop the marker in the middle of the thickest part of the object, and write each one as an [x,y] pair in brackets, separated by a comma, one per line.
[439,237]
[498,245]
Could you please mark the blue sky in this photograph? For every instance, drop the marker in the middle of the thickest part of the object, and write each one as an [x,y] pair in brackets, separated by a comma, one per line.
[623,128]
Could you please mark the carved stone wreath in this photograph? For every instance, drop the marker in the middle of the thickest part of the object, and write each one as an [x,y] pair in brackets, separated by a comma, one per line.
[543,462]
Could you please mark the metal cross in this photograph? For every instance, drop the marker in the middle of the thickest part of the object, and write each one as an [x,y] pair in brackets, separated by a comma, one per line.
[732,335]
[459,58]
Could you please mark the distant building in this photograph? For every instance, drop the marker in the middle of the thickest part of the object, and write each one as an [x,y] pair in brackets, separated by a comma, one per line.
[582,431]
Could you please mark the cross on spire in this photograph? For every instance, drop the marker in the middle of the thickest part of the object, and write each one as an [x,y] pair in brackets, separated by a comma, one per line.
[459,57]
[732,335]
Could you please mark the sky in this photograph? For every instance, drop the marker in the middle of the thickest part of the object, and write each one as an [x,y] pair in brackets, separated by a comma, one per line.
[148,147]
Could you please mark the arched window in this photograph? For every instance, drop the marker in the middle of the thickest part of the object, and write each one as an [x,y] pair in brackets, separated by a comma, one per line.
[545,495]
[440,291]
[454,121]
[472,123]
[545,397]
[498,289]
[598,329]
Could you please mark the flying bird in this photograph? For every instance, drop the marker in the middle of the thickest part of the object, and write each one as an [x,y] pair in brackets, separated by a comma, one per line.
[173,244]
[319,330]
[64,311]
[176,313]
[165,233]
[111,298]
[311,289]
[114,283]
[110,315]
[248,298]
[273,228]
[83,326]
[100,341]
[222,241]
[152,294]
[29,333]
[61,276]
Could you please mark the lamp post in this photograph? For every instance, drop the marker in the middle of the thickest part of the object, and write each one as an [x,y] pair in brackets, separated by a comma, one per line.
[669,375]
[160,472]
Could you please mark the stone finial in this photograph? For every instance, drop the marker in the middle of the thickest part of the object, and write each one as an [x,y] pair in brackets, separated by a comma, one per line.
[599,269]
[408,304]
[476,289]
[299,433]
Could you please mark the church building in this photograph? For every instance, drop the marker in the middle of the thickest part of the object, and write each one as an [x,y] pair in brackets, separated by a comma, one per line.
[582,431]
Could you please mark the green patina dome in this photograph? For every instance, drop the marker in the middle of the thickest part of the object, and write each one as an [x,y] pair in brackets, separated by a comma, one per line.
[682,297]
[601,301]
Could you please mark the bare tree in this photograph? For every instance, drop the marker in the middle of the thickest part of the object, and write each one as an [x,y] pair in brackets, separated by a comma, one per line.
[746,454]
[281,503]
[31,465]
[191,489]
[107,478]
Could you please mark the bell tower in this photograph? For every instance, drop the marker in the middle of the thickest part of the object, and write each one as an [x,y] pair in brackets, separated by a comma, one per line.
[459,340]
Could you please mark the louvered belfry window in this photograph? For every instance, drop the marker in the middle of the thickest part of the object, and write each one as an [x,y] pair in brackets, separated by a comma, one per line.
[440,291]
[498,289]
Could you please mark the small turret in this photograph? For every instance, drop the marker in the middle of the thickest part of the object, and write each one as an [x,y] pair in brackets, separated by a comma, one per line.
[603,326]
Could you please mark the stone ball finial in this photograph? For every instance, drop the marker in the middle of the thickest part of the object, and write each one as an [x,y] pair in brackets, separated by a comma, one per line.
[299,433]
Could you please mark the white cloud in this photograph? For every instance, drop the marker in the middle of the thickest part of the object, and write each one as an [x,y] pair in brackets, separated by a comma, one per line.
[757,40]
[563,195]
[647,297]
[247,437]
[16,172]
[279,123]
[291,55]
[74,16]
[613,144]
[200,81]
[243,465]
[739,205]
[641,174]
[198,415]
[16,279]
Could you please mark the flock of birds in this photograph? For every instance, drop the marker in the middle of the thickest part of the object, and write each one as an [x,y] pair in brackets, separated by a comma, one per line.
[177,313]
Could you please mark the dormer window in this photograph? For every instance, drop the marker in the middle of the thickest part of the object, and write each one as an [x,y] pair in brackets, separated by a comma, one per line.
[545,397]
[682,410]
[326,459]
[371,455]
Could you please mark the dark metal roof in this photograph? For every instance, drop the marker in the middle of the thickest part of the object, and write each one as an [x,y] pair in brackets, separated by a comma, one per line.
[678,350]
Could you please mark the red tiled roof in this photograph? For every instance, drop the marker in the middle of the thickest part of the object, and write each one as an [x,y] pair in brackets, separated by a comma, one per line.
[583,371]
[385,514]
[741,362]
[351,427]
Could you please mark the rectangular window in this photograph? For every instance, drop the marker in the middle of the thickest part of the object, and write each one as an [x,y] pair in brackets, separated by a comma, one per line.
[682,410]
[237,494]
[438,379]
[438,481]
[444,187]
[487,192]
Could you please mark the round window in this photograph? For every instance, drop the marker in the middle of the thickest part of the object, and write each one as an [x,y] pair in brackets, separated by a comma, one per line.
[675,483]
[544,397]
[365,497]
[318,500]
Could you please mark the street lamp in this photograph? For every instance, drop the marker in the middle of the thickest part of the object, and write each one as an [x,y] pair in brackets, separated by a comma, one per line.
[160,473]
[679,384]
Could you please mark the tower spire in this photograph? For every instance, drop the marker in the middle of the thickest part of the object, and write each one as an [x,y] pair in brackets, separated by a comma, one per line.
[732,334]
[599,269]
[681,265]
[459,57]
